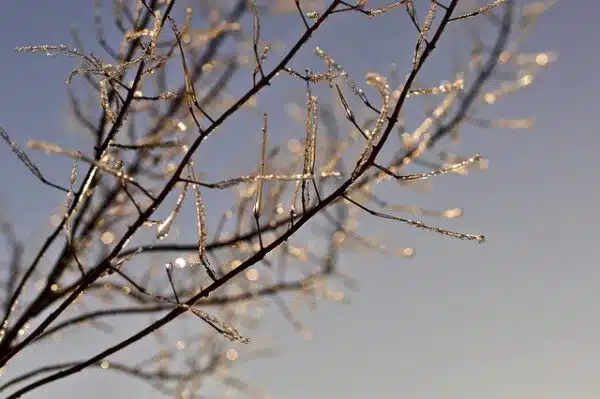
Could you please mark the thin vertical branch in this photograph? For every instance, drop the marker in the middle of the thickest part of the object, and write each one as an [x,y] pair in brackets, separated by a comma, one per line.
[257,210]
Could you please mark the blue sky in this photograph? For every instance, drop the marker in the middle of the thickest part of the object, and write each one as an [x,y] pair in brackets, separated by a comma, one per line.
[517,317]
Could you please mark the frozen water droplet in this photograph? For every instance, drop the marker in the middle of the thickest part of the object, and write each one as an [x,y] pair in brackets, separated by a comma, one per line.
[376,12]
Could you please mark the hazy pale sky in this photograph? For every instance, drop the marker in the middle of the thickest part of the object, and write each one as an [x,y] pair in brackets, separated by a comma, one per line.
[517,317]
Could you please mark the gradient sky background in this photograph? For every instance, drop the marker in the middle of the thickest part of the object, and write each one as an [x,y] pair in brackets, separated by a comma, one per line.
[518,317]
